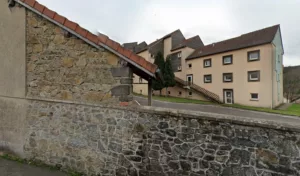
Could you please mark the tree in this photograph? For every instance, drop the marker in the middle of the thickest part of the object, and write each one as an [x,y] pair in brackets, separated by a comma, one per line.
[159,61]
[291,83]
[169,77]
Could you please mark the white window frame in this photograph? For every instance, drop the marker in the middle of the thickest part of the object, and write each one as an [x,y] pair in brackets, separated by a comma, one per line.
[179,68]
[253,58]
[206,80]
[256,58]
[225,78]
[224,60]
[254,79]
[254,99]
[179,55]
[207,61]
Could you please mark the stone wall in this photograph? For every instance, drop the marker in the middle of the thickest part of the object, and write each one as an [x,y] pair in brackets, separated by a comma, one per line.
[61,66]
[151,141]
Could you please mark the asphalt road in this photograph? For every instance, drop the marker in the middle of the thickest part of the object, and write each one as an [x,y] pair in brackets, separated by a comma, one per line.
[292,120]
[10,168]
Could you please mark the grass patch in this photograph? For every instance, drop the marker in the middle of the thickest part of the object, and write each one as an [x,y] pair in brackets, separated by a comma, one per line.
[293,110]
[176,99]
[38,163]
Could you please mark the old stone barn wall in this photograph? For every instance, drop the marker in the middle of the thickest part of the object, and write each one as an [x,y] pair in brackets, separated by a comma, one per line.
[62,67]
[119,141]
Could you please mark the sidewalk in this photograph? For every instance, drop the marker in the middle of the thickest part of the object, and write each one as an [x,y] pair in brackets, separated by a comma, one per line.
[11,168]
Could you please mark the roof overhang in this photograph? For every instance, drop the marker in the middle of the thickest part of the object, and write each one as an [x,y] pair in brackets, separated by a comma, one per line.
[98,46]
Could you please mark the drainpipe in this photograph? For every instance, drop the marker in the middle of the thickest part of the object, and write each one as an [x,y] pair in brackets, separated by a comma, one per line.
[272,74]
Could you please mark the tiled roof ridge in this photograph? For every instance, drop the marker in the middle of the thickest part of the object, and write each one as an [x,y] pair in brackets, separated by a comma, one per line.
[100,40]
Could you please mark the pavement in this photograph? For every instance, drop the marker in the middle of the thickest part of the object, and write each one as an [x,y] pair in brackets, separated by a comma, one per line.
[11,168]
[284,119]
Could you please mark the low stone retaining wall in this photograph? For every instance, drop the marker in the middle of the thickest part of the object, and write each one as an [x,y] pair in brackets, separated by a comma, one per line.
[148,141]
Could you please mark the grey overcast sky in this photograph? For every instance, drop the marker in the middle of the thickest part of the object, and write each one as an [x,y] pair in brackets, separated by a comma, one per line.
[214,20]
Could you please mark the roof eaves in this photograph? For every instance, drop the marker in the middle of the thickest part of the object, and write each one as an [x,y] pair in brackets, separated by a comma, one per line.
[209,54]
[177,48]
[142,51]
[88,37]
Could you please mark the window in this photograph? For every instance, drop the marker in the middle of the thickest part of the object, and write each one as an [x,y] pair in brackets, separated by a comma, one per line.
[253,76]
[179,54]
[190,93]
[179,93]
[152,56]
[207,79]
[227,77]
[141,91]
[207,63]
[189,79]
[190,65]
[179,68]
[254,96]
[141,80]
[253,56]
[169,92]
[227,60]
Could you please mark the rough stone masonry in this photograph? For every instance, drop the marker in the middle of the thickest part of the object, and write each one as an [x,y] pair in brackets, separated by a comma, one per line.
[145,142]
[62,67]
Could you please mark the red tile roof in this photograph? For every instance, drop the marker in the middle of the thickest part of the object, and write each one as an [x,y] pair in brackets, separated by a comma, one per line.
[98,40]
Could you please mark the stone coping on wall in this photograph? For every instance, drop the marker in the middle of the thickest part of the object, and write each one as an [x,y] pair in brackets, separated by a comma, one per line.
[183,114]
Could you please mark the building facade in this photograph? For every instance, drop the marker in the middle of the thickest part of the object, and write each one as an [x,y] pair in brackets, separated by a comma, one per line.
[46,56]
[245,70]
